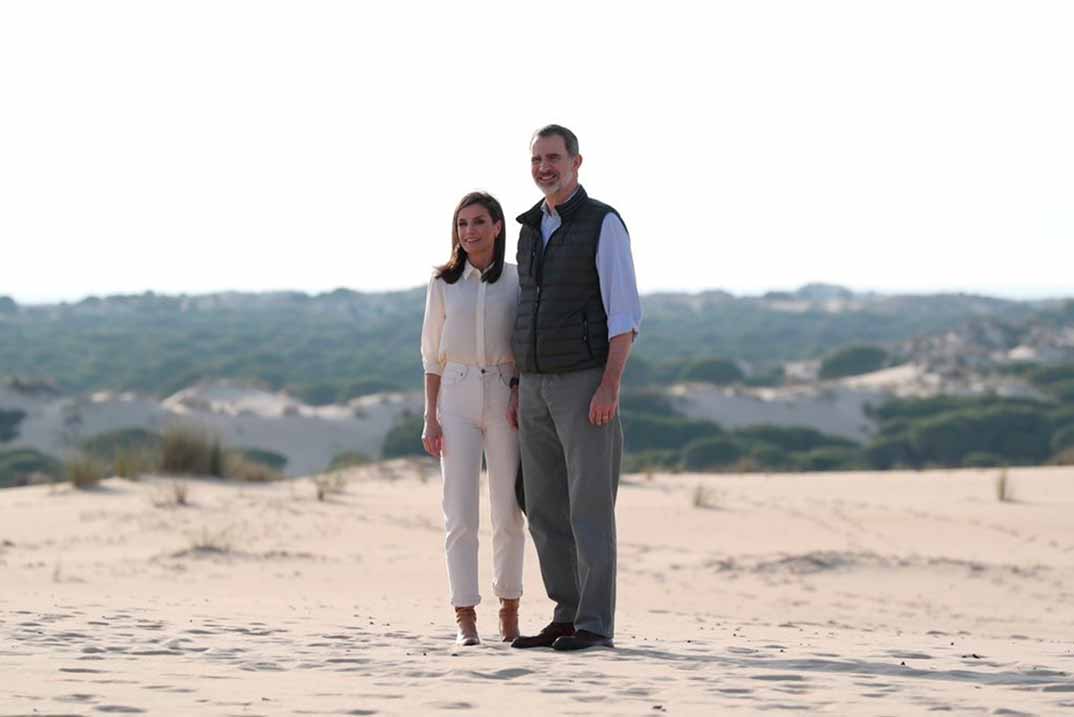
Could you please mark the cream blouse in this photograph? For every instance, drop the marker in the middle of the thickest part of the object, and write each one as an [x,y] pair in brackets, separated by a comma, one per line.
[470,321]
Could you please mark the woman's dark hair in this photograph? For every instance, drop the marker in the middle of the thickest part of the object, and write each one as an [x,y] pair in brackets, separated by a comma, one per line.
[452,270]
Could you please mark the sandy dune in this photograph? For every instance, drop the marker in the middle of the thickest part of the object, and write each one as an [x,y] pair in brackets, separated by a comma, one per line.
[243,417]
[842,594]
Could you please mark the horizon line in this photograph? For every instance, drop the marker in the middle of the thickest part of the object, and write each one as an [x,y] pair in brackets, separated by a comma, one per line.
[1008,293]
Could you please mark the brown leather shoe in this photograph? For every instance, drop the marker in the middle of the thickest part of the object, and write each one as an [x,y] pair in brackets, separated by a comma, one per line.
[545,637]
[466,619]
[508,619]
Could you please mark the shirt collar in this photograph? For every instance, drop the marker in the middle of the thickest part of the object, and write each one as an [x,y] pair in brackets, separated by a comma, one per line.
[550,211]
[469,269]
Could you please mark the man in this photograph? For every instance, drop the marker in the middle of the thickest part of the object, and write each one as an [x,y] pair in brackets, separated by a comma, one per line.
[578,314]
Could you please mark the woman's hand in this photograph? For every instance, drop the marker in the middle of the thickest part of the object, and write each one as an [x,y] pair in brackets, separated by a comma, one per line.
[432,437]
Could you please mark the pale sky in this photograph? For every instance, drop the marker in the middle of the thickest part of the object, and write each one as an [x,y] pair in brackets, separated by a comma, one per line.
[189,147]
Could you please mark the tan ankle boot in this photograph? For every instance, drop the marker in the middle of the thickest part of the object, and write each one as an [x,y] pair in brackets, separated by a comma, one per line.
[466,619]
[508,619]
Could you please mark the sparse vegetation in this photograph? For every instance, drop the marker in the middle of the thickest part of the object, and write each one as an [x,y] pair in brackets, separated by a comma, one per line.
[190,450]
[243,469]
[329,484]
[208,541]
[133,463]
[84,471]
[315,347]
[106,445]
[174,493]
[704,498]
[348,459]
[1003,487]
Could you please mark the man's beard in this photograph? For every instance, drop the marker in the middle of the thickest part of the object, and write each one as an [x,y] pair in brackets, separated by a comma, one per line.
[552,189]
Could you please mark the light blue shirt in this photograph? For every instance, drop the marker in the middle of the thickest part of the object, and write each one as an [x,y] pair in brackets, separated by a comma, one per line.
[615,268]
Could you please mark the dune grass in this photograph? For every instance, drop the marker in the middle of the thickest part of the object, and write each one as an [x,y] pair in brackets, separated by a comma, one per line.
[84,471]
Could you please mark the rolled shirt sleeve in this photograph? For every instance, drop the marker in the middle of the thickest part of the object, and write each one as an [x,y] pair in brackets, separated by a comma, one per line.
[618,285]
[432,328]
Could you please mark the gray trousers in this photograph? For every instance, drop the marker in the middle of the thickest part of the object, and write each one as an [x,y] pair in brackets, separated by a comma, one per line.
[570,469]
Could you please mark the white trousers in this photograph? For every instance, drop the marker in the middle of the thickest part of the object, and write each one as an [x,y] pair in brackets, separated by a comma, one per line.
[472,409]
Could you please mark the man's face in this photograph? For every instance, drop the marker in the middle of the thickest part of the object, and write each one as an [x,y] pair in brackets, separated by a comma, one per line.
[554,171]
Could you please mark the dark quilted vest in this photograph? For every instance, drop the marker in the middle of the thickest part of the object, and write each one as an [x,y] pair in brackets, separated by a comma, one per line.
[561,325]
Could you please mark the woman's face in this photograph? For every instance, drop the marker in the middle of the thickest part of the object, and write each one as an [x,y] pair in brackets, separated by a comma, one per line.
[477,231]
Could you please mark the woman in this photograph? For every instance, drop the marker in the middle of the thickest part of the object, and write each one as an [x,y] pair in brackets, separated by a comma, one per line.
[469,378]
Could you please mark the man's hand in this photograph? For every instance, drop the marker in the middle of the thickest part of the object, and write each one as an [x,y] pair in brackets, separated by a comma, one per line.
[512,408]
[604,405]
[432,437]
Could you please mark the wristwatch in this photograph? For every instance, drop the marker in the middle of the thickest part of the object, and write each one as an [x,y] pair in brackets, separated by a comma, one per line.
[513,383]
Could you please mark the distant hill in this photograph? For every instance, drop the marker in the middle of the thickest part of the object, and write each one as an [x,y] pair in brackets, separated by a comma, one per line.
[335,346]
[817,379]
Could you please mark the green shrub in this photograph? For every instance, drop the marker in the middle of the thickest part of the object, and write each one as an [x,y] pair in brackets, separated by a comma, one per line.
[652,462]
[1019,435]
[107,445]
[713,370]
[765,456]
[366,387]
[888,452]
[85,471]
[1047,376]
[238,467]
[853,361]
[790,438]
[316,394]
[135,462]
[645,432]
[1062,390]
[271,459]
[638,373]
[651,402]
[770,378]
[828,458]
[190,450]
[347,459]
[9,423]
[911,408]
[404,438]
[18,465]
[982,459]
[1063,439]
[710,453]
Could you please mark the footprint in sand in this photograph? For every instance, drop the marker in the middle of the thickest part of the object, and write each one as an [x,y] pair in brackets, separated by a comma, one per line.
[120,709]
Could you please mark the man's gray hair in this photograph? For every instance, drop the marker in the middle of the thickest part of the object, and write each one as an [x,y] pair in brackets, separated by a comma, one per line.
[556,130]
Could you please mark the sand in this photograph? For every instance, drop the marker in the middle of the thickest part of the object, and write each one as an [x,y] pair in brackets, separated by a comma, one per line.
[841,594]
[241,416]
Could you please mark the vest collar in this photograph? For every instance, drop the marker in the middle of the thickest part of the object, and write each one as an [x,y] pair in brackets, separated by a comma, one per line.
[533,216]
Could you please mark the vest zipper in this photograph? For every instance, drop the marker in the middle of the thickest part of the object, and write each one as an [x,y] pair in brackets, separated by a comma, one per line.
[585,335]
[539,279]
